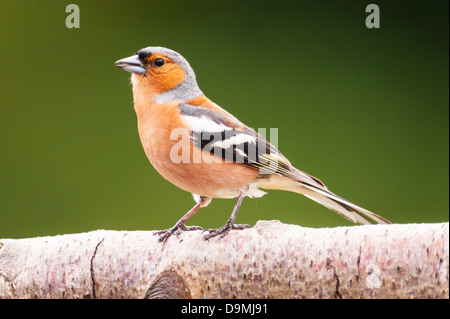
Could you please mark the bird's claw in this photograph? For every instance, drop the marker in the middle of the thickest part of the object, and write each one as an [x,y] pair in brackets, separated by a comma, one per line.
[165,234]
[223,231]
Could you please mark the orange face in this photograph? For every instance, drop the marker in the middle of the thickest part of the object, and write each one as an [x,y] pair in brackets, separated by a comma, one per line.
[162,73]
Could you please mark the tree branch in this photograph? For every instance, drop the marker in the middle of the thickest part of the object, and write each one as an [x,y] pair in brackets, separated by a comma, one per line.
[270,260]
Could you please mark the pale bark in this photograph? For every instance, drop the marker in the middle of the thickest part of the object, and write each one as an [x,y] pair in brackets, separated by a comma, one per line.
[270,260]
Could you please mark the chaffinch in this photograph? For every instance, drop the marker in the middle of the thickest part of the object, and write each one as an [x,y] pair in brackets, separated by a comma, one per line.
[201,148]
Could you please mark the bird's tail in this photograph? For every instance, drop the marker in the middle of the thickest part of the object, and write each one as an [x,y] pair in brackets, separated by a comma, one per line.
[314,189]
[342,206]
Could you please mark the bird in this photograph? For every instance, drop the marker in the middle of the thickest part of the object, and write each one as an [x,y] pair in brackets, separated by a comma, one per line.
[203,149]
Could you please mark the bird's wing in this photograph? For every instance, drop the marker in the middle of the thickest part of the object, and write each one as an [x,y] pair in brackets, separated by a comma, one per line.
[224,136]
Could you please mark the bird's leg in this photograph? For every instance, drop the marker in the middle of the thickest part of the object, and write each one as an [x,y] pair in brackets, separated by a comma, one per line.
[230,223]
[180,225]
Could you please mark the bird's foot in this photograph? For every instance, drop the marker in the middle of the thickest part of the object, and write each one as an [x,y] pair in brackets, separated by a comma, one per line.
[165,234]
[224,230]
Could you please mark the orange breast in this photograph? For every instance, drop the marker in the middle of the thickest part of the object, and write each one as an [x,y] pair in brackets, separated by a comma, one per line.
[167,145]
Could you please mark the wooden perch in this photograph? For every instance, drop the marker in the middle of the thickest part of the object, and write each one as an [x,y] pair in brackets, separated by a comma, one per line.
[270,260]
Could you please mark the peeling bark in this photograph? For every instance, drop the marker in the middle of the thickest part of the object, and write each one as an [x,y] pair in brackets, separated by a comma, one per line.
[270,260]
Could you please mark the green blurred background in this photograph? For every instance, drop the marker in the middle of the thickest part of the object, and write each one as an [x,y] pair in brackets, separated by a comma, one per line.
[365,110]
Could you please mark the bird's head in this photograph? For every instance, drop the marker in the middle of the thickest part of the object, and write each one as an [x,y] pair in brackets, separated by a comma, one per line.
[163,71]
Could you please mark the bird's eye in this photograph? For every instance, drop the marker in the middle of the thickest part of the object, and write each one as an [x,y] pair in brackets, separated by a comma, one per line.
[159,62]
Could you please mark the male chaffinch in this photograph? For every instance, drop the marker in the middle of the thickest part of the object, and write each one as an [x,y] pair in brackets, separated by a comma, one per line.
[201,148]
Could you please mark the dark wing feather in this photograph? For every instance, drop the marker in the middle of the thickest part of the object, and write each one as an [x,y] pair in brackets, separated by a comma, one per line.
[237,143]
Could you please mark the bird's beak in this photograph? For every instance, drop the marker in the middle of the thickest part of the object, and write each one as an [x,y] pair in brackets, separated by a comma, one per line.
[132,64]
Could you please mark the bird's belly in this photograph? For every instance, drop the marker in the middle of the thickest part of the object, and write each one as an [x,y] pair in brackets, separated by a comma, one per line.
[218,180]
[192,170]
